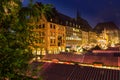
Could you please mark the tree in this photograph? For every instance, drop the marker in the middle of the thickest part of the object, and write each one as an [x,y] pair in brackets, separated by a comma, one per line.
[15,32]
[14,49]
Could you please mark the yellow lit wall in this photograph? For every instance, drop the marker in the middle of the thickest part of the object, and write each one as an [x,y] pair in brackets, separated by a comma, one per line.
[49,38]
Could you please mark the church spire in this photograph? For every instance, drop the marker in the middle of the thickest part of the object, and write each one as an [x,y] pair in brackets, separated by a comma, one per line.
[78,15]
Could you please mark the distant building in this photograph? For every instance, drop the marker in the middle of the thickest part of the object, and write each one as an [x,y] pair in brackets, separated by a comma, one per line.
[108,33]
[92,37]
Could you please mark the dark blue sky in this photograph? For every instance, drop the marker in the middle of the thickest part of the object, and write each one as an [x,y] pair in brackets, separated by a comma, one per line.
[94,11]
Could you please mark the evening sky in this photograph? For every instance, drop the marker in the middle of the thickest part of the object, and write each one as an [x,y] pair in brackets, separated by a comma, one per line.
[94,11]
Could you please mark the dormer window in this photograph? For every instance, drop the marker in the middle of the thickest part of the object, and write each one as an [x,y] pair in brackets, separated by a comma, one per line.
[60,22]
[54,26]
[73,24]
[66,22]
[76,25]
[51,19]
[51,26]
[39,26]
[70,24]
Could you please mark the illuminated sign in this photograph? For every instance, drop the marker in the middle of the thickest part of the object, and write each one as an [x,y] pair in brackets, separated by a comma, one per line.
[73,38]
[77,30]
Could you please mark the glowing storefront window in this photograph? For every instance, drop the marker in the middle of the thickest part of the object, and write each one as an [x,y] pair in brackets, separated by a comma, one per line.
[50,51]
[74,34]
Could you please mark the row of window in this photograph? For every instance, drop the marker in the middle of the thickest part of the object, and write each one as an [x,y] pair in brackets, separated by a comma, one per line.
[52,33]
[72,38]
[41,26]
[72,24]
[52,41]
[41,40]
[52,26]
[37,34]
[68,23]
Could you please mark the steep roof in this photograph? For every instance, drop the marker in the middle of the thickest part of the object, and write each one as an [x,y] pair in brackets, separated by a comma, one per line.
[62,19]
[84,24]
[55,71]
[105,25]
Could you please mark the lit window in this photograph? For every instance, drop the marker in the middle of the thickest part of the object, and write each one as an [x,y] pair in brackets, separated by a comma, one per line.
[70,24]
[42,34]
[50,33]
[54,40]
[43,26]
[54,26]
[50,25]
[41,40]
[76,25]
[73,24]
[66,22]
[39,26]
[53,34]
[50,40]
[51,19]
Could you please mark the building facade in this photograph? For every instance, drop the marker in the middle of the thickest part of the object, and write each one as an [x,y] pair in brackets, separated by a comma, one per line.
[76,32]
[108,33]
[60,33]
[73,38]
[49,37]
